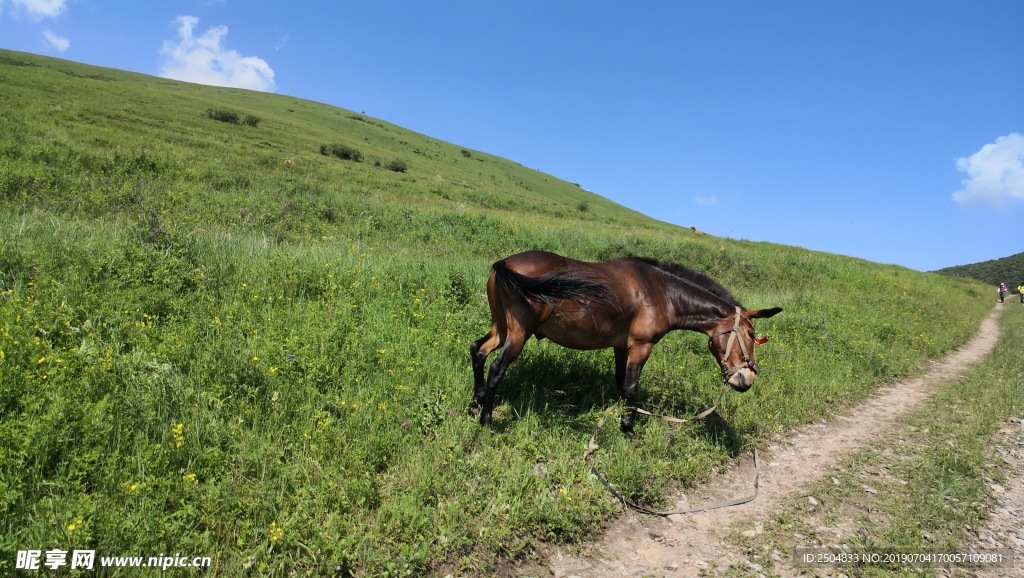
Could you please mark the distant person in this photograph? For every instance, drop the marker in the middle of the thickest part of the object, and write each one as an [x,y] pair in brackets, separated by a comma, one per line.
[1002,291]
[1020,291]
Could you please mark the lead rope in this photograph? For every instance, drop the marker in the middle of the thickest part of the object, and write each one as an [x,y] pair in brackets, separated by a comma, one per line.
[592,447]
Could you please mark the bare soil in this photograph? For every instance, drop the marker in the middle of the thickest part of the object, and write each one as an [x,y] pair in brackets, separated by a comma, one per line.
[634,545]
[1005,528]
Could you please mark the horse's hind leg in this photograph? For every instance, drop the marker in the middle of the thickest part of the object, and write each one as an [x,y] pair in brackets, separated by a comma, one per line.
[513,347]
[481,348]
[478,352]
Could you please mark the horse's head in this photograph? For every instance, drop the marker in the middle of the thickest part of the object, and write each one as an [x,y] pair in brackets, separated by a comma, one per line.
[732,343]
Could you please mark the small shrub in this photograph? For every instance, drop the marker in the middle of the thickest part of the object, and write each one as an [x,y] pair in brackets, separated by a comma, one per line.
[397,165]
[466,153]
[223,115]
[341,151]
[251,120]
[329,214]
[458,292]
[583,207]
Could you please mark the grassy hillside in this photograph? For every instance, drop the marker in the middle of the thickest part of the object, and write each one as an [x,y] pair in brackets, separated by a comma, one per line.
[1009,270]
[207,350]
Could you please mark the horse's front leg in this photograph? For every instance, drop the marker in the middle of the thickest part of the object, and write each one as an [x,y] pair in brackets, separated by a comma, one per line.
[620,370]
[629,363]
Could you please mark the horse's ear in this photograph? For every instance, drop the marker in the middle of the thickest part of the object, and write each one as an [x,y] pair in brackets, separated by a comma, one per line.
[764,313]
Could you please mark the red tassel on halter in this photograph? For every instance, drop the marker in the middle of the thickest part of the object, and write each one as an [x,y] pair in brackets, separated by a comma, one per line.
[761,341]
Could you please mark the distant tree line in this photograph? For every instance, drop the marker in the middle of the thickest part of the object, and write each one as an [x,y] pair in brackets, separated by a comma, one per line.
[1008,269]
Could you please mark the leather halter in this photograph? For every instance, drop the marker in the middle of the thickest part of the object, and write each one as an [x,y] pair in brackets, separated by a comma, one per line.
[748,362]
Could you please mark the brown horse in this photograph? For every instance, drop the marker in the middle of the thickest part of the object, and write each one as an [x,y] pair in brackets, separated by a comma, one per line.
[627,304]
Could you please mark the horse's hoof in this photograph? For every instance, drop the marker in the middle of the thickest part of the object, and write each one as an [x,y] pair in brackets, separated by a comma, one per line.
[473,409]
[626,427]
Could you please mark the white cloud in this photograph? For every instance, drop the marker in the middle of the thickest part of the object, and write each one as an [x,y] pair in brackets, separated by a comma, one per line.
[37,9]
[205,60]
[57,42]
[995,173]
[706,201]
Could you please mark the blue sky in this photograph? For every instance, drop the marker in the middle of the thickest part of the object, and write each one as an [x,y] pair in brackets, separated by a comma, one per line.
[890,131]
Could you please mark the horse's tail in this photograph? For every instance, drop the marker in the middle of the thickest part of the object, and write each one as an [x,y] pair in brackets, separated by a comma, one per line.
[550,288]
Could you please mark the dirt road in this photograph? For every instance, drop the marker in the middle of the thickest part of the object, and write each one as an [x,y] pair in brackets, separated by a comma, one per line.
[694,545]
[1005,527]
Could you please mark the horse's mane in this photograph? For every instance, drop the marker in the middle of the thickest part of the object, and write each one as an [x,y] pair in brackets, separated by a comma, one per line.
[696,278]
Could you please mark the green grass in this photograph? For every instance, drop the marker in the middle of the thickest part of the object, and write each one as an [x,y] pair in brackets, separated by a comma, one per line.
[929,475]
[210,351]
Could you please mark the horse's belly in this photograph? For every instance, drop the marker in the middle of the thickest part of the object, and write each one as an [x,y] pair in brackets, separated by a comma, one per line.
[578,338]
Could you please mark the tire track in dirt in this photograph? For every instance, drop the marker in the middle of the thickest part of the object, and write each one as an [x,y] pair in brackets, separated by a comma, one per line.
[694,545]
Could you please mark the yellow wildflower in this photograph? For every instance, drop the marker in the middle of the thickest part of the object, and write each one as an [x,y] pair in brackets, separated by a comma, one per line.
[179,436]
[275,532]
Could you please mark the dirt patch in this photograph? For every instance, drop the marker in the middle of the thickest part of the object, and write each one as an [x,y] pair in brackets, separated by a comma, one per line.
[695,544]
[1005,528]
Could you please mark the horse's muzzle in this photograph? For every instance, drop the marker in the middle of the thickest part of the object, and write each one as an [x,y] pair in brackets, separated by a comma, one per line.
[742,379]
